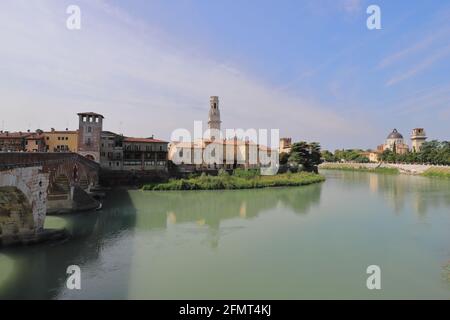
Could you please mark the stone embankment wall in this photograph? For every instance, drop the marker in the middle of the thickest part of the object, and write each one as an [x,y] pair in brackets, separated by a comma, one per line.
[403,168]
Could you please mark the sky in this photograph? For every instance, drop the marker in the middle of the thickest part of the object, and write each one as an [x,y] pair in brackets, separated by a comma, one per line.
[310,68]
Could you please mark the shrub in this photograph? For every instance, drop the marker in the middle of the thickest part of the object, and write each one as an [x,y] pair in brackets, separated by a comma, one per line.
[222,173]
[236,182]
[246,173]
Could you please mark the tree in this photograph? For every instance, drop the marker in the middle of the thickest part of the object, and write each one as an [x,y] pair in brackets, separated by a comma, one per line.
[316,156]
[305,156]
[284,158]
[328,156]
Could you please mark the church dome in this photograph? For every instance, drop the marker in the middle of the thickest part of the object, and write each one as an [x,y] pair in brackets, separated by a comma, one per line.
[395,135]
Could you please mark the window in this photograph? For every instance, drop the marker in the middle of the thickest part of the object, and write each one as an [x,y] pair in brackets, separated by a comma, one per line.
[89,129]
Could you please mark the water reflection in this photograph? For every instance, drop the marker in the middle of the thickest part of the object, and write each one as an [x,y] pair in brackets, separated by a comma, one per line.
[40,271]
[210,208]
[400,191]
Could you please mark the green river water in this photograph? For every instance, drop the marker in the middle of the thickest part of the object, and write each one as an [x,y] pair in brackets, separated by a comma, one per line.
[284,243]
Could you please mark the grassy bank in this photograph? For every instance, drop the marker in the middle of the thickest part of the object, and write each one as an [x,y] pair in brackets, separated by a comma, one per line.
[237,182]
[351,167]
[437,172]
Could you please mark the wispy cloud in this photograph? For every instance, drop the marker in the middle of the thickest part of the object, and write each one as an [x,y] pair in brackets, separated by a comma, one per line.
[132,73]
[418,46]
[421,66]
[431,99]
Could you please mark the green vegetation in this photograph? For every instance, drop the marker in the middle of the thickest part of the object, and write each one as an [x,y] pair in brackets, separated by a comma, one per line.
[240,179]
[353,167]
[437,172]
[352,155]
[284,158]
[305,157]
[446,272]
[432,152]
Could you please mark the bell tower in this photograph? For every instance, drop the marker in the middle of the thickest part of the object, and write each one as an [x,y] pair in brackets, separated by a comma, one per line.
[214,114]
[418,137]
[89,135]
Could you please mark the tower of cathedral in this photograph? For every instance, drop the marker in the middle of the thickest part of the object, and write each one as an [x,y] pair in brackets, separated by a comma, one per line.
[214,115]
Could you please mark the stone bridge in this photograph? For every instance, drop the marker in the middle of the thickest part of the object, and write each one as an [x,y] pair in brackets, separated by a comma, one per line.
[34,184]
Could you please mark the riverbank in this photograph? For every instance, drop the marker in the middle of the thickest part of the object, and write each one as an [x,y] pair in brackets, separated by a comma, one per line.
[231,182]
[391,168]
[358,167]
[438,172]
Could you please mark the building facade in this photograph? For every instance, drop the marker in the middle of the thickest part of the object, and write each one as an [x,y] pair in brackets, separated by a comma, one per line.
[119,153]
[61,141]
[111,151]
[35,142]
[218,154]
[373,156]
[13,141]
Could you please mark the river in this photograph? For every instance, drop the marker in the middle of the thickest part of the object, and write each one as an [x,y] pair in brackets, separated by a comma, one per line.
[284,243]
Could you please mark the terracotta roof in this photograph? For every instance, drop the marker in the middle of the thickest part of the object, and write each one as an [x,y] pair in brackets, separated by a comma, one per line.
[143,140]
[62,131]
[9,135]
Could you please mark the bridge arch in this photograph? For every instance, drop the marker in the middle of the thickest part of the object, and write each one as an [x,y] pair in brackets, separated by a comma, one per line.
[33,183]
[16,214]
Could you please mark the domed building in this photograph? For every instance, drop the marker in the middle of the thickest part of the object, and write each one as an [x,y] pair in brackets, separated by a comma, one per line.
[395,143]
